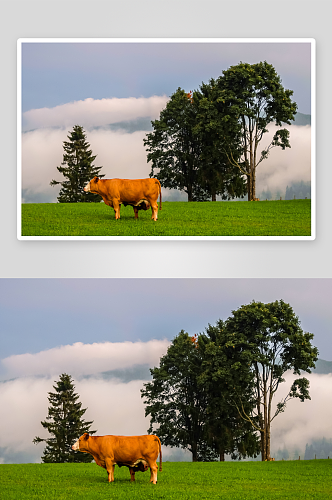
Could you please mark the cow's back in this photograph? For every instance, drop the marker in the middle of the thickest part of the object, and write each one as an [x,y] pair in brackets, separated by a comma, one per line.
[130,448]
[134,190]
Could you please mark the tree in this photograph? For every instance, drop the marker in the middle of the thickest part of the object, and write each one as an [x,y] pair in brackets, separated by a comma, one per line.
[257,345]
[78,169]
[248,97]
[185,153]
[176,402]
[218,175]
[227,431]
[64,422]
[174,148]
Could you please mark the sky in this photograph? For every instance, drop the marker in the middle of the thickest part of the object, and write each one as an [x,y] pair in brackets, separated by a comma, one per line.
[86,327]
[114,90]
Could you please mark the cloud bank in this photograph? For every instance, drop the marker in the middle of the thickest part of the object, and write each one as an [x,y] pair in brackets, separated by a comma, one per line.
[120,154]
[94,112]
[116,407]
[281,168]
[115,131]
[83,359]
[304,422]
[123,155]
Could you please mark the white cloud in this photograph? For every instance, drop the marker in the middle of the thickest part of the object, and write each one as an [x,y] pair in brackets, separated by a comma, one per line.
[303,422]
[121,155]
[115,408]
[281,168]
[93,112]
[84,359]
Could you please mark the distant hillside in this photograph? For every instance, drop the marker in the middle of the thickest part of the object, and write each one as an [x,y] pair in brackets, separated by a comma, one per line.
[323,367]
[142,372]
[301,119]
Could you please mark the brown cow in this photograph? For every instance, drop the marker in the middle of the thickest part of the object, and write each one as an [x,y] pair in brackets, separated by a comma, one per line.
[141,194]
[123,450]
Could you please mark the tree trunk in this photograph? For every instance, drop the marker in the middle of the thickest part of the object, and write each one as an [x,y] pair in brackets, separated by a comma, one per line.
[268,443]
[222,455]
[190,193]
[194,451]
[249,187]
[263,444]
[213,194]
[253,184]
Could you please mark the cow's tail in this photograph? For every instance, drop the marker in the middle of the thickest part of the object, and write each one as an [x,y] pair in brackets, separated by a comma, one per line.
[160,457]
[159,201]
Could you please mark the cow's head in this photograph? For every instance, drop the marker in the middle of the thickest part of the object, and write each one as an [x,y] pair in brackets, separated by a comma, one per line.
[91,185]
[81,443]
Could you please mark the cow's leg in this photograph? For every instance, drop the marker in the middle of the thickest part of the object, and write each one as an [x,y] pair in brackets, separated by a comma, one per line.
[136,212]
[116,206]
[132,474]
[154,469]
[110,466]
[154,207]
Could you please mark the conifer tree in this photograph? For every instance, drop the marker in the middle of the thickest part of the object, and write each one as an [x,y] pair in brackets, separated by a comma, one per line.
[78,169]
[65,424]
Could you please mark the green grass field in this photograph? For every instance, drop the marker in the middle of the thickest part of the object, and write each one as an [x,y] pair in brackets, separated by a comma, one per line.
[238,218]
[295,480]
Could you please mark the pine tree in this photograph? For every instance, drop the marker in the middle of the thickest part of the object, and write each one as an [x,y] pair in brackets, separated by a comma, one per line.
[78,169]
[64,422]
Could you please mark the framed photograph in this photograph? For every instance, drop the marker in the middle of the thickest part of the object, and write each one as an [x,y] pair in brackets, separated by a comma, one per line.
[166,139]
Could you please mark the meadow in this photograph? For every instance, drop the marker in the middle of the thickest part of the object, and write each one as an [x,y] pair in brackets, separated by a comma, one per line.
[306,479]
[237,218]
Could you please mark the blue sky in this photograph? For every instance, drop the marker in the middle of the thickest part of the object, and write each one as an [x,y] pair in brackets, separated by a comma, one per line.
[39,314]
[58,73]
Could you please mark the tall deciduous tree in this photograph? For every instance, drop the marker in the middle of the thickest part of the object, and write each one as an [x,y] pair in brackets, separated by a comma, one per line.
[248,97]
[174,148]
[176,402]
[257,345]
[186,156]
[218,174]
[65,424]
[78,169]
[227,431]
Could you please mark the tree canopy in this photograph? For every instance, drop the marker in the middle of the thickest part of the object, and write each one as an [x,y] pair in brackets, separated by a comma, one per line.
[253,349]
[183,155]
[175,401]
[64,423]
[77,168]
[188,410]
[245,99]
[174,148]
[223,377]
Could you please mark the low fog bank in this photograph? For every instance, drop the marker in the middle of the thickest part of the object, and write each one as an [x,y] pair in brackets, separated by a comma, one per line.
[121,153]
[116,407]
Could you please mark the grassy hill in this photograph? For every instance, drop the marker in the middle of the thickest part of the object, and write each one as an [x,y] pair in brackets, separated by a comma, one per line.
[310,479]
[238,218]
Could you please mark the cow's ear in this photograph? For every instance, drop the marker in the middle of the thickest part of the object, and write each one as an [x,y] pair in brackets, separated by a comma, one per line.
[86,436]
[96,179]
